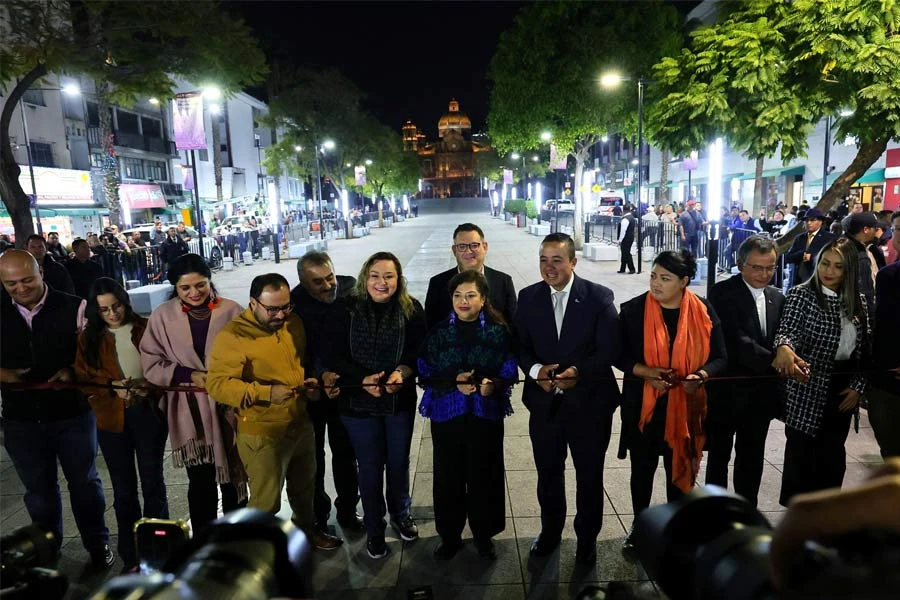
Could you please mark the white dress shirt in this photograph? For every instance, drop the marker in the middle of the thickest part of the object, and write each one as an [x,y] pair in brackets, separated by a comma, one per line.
[848,333]
[536,367]
[759,297]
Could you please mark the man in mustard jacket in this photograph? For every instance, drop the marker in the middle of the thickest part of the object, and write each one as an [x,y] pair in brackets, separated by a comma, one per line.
[257,366]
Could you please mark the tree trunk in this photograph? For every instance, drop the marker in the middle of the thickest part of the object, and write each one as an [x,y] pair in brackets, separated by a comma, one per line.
[865,158]
[663,179]
[110,162]
[14,197]
[757,186]
[215,126]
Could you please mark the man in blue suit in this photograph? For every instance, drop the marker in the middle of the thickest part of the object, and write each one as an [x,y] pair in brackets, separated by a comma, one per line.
[569,335]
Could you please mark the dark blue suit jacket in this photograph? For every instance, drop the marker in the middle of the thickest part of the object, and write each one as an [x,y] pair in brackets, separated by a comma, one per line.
[590,341]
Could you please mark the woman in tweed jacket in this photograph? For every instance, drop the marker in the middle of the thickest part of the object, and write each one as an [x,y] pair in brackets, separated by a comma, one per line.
[822,341]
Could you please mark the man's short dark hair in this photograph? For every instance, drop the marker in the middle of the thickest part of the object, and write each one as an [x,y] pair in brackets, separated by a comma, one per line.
[276,281]
[316,258]
[743,212]
[77,243]
[755,243]
[35,236]
[561,238]
[468,227]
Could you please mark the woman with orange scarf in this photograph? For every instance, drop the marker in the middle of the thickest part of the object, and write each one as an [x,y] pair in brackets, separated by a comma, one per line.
[673,344]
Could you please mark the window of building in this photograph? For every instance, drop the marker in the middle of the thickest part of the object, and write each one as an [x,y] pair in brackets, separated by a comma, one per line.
[152,127]
[156,170]
[96,160]
[35,97]
[128,122]
[203,155]
[41,154]
[133,168]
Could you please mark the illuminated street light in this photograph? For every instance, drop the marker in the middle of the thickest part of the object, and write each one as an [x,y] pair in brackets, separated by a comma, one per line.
[298,148]
[328,145]
[368,162]
[71,89]
[212,93]
[154,101]
[546,136]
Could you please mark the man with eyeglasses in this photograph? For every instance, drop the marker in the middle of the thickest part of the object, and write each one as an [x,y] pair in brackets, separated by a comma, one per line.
[470,249]
[257,365]
[739,411]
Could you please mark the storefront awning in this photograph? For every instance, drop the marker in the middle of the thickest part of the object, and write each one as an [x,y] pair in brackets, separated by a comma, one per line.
[869,177]
[783,172]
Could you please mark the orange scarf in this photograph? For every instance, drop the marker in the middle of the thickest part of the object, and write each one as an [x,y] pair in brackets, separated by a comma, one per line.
[684,414]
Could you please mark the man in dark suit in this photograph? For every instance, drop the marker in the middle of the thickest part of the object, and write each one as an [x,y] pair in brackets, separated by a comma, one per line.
[569,391]
[739,411]
[317,297]
[806,246]
[470,249]
[626,239]
[54,273]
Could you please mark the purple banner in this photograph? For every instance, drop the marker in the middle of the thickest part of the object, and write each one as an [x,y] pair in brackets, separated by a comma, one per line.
[187,121]
[360,173]
[691,162]
[507,176]
[188,178]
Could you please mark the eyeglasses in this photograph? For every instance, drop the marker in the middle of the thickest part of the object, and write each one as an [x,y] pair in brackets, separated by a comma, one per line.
[274,310]
[105,310]
[473,247]
[761,268]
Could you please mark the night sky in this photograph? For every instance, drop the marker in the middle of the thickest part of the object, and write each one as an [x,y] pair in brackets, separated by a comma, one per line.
[409,58]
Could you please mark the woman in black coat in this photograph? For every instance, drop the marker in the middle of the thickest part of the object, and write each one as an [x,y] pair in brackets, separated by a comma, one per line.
[689,327]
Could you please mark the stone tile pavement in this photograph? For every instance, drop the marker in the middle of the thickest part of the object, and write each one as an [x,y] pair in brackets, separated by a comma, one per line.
[423,247]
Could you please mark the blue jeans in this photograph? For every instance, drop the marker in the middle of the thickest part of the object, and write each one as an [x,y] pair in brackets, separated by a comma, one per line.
[379,442]
[34,449]
[144,436]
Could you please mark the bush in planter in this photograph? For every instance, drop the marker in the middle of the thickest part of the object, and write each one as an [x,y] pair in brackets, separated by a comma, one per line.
[531,209]
[515,207]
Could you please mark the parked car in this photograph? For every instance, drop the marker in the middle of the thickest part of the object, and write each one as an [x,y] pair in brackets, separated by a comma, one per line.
[211,250]
[565,205]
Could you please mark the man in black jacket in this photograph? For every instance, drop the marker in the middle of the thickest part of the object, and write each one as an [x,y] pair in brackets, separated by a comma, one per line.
[626,239]
[739,411]
[82,269]
[861,227]
[39,342]
[315,299]
[53,273]
[470,249]
[806,246]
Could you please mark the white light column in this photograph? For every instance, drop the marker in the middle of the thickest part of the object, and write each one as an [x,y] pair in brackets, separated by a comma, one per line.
[714,205]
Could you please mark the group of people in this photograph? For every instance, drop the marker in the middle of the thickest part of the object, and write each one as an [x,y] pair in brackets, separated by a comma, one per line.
[248,396]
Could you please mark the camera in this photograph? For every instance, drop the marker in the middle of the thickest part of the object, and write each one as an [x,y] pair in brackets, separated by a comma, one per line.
[713,544]
[245,555]
[25,555]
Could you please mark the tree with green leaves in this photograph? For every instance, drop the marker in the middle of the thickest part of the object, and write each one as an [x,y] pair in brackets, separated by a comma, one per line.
[546,72]
[131,49]
[771,69]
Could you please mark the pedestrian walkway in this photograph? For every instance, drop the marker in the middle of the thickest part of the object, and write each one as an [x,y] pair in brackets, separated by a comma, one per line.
[423,247]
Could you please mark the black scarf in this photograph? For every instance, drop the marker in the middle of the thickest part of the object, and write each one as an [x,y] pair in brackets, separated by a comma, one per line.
[376,342]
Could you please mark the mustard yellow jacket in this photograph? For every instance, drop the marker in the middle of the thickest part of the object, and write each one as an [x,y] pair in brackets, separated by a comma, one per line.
[247,360]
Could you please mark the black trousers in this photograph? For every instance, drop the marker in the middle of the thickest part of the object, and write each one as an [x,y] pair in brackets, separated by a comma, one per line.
[625,249]
[644,450]
[818,462]
[741,423]
[586,432]
[325,415]
[469,479]
[203,496]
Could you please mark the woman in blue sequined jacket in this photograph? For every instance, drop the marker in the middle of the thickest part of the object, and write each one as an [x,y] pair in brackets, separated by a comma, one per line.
[467,367]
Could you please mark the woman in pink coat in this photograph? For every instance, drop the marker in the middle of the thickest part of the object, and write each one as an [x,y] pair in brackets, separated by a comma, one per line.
[174,351]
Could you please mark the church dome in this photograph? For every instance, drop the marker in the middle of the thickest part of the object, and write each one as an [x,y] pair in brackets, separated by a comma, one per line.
[453,119]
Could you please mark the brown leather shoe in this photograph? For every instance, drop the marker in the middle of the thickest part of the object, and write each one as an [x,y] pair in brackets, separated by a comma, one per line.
[323,541]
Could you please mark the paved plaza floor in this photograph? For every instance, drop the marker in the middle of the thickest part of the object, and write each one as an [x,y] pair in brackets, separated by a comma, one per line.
[423,247]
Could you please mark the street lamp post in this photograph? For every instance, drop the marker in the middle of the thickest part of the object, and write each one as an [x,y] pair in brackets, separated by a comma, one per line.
[612,80]
[326,145]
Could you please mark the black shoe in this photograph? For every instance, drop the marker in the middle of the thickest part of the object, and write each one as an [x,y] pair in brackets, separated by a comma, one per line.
[632,272]
[620,272]
[102,559]
[376,548]
[486,548]
[406,528]
[586,553]
[447,550]
[351,522]
[543,546]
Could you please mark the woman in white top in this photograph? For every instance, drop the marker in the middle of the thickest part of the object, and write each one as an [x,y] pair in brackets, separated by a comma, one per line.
[129,428]
[822,342]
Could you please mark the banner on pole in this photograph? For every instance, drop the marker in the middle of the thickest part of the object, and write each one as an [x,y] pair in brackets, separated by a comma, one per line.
[557,162]
[187,121]
[360,172]
[507,176]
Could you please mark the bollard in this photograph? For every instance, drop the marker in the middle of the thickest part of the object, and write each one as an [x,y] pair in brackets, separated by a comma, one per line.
[248,257]
[228,263]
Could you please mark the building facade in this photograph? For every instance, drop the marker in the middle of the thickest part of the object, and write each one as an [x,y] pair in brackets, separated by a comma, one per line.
[448,164]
